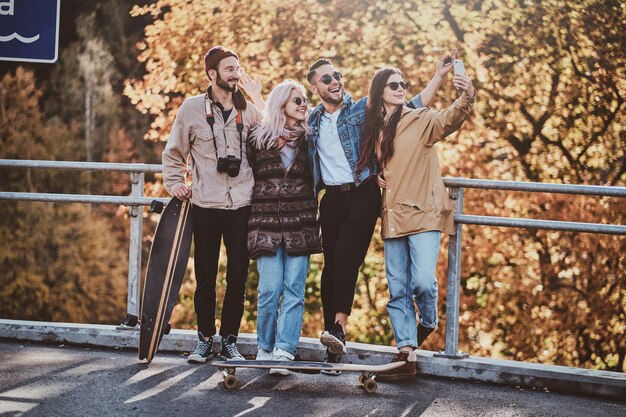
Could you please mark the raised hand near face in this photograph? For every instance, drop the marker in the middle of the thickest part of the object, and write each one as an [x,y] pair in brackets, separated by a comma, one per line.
[444,64]
[249,85]
[252,87]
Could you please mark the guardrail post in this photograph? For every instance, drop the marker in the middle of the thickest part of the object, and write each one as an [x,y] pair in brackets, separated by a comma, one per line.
[134,252]
[453,292]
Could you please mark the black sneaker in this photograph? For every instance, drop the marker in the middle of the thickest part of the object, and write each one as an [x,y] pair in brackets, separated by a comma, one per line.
[331,358]
[423,333]
[334,340]
[229,349]
[203,350]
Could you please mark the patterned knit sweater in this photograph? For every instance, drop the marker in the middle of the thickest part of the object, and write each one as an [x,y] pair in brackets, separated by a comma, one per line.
[283,208]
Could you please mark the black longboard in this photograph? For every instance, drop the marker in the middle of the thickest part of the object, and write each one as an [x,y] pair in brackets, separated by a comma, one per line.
[166,268]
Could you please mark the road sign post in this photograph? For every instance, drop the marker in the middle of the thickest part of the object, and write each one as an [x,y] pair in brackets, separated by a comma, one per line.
[29,30]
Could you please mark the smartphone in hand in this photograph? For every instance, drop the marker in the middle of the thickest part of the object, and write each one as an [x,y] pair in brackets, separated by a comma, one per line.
[459,68]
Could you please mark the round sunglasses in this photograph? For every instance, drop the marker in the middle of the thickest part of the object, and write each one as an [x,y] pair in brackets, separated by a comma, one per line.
[327,79]
[394,85]
[300,100]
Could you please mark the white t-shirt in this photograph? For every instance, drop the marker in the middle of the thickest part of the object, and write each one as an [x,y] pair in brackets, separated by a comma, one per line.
[333,162]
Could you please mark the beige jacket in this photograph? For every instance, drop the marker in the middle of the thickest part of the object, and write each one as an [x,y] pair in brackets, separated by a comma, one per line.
[191,137]
[416,199]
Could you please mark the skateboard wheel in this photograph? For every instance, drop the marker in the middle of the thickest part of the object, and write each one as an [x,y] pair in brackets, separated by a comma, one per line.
[168,328]
[370,386]
[362,379]
[130,320]
[230,381]
[156,206]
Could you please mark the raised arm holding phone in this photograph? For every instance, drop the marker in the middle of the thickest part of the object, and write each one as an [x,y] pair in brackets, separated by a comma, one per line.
[416,208]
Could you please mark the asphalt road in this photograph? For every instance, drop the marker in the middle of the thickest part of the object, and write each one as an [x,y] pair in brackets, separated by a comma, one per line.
[44,380]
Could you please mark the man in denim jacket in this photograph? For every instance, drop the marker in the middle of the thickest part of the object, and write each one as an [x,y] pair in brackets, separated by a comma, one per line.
[351,205]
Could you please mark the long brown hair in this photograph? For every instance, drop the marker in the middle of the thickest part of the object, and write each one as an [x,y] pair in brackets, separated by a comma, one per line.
[374,116]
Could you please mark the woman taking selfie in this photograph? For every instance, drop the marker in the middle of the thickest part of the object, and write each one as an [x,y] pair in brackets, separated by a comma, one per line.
[283,229]
[416,208]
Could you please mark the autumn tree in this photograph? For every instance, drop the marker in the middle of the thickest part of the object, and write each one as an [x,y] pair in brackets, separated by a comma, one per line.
[554,92]
[72,110]
[59,262]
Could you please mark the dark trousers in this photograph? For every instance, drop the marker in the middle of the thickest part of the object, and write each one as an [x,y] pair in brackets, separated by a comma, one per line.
[209,226]
[348,219]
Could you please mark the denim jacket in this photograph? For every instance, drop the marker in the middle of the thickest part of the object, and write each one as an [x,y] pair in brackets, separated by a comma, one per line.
[350,129]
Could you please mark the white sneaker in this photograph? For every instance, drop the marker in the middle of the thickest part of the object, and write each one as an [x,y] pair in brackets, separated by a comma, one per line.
[264,355]
[281,356]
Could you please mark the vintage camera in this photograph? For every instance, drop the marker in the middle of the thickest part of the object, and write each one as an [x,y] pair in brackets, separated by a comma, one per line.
[229,165]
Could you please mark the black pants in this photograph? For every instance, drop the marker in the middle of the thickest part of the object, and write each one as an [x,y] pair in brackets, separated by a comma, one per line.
[209,226]
[348,219]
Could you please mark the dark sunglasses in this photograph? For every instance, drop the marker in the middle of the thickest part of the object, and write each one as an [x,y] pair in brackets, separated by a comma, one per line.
[327,79]
[300,100]
[394,85]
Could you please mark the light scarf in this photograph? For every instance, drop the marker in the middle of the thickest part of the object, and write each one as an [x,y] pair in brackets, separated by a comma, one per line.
[288,136]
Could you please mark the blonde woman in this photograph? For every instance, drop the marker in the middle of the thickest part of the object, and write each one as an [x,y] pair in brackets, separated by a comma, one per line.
[283,229]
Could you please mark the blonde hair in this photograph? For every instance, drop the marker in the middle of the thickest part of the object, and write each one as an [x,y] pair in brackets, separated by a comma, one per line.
[274,119]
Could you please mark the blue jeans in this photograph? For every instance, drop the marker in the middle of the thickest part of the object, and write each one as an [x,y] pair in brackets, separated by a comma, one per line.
[410,263]
[279,322]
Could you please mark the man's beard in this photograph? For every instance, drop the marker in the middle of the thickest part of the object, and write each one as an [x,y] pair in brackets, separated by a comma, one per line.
[224,85]
[329,99]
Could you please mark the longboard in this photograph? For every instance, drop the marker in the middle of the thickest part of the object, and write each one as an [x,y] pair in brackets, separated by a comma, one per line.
[166,268]
[366,378]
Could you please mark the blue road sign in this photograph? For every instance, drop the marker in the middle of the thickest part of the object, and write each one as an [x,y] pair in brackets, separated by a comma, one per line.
[29,30]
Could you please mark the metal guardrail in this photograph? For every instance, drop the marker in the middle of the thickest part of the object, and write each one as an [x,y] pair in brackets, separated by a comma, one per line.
[456,185]
[81,198]
[537,187]
[80,166]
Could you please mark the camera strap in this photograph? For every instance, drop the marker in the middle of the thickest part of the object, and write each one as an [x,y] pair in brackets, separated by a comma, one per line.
[210,118]
[239,121]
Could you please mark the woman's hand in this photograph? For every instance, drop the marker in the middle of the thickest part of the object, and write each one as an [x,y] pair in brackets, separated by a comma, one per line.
[464,83]
[381,181]
[444,64]
[251,87]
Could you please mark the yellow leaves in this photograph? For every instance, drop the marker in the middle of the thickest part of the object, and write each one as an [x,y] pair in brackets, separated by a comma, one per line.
[569,273]
[485,339]
[495,259]
[541,313]
[142,10]
[537,289]
[473,283]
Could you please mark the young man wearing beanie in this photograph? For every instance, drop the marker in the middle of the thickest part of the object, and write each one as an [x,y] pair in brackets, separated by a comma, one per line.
[210,132]
[351,205]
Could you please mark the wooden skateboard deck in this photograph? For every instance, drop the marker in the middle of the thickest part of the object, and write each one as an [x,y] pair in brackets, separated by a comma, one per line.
[166,268]
[366,379]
